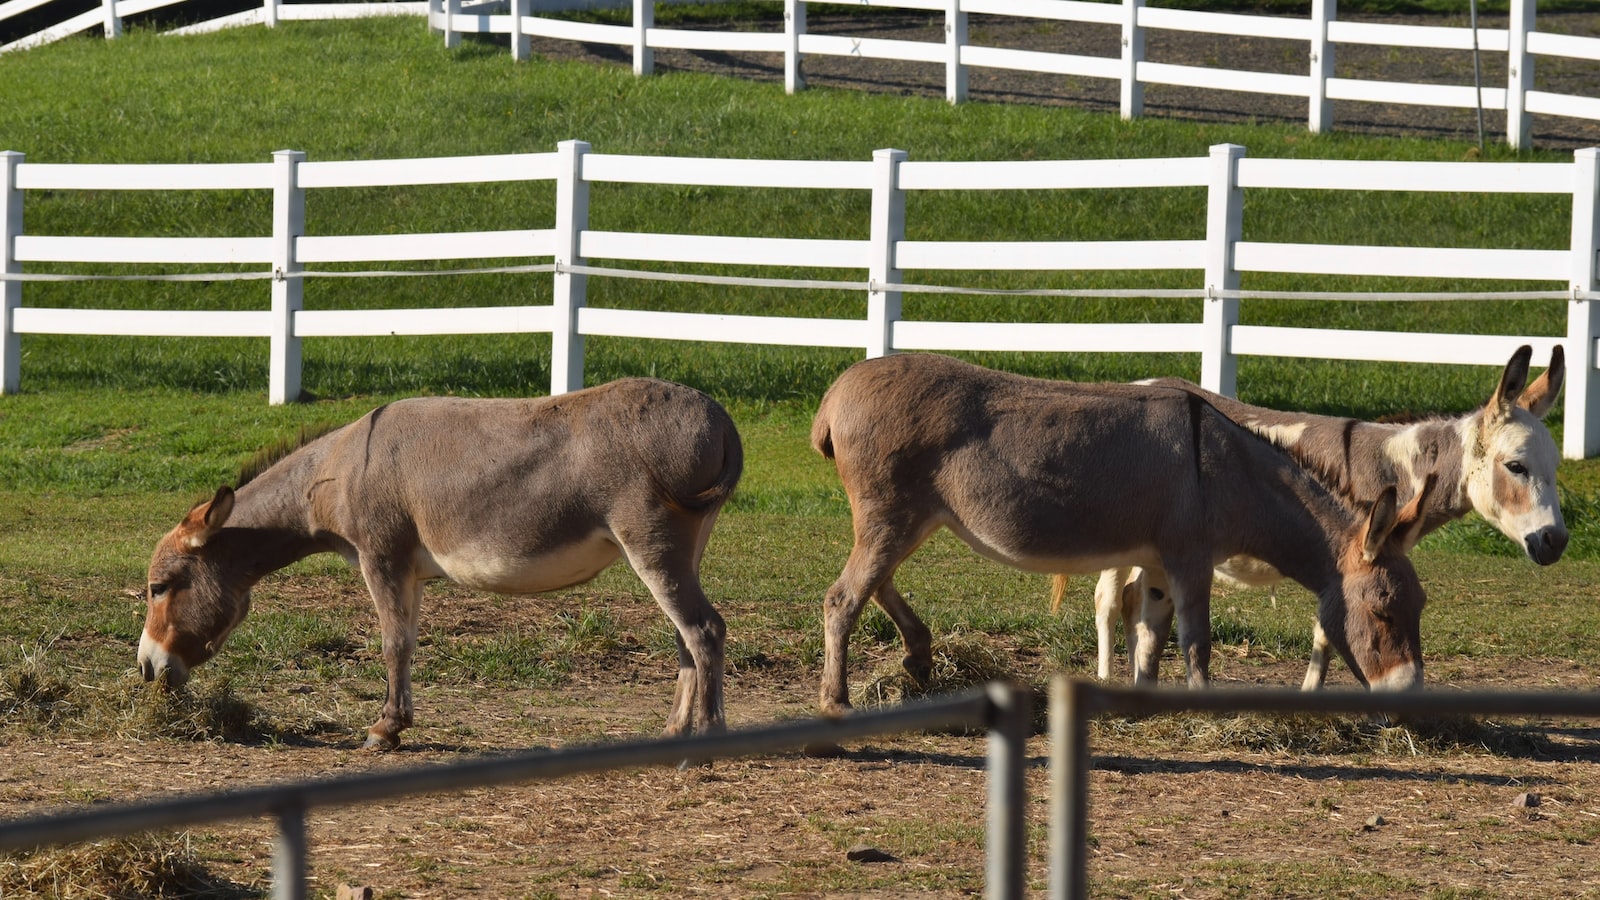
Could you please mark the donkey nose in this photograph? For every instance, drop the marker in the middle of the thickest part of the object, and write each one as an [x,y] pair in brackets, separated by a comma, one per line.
[1399,678]
[1546,545]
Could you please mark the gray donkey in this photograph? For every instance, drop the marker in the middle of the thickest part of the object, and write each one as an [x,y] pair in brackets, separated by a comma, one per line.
[512,496]
[1056,477]
[1498,460]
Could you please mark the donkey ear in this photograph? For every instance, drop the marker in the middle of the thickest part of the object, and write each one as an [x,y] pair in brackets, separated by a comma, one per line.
[206,519]
[1381,520]
[1512,381]
[1540,397]
[1410,520]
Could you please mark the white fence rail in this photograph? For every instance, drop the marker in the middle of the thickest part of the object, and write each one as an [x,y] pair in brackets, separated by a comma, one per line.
[285,250]
[1519,45]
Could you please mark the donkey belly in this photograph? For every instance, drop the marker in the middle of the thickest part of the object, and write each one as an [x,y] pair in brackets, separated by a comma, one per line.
[1040,557]
[489,567]
[1247,570]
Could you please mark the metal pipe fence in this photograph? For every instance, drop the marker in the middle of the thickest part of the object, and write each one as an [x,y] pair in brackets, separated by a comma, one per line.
[1074,703]
[1005,710]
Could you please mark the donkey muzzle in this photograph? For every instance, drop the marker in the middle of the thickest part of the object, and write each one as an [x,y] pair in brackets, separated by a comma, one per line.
[1546,545]
[1399,678]
[156,664]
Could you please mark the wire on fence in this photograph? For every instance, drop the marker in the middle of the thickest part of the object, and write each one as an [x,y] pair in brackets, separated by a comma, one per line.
[824,284]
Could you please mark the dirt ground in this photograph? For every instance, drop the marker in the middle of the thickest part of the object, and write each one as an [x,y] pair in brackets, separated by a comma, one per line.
[1169,818]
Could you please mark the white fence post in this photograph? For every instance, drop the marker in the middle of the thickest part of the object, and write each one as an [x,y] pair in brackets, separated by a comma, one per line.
[288,290]
[1132,55]
[1320,115]
[955,38]
[10,291]
[452,37]
[269,13]
[644,19]
[1581,436]
[1519,71]
[1219,368]
[794,26]
[435,16]
[888,229]
[113,21]
[572,217]
[521,47]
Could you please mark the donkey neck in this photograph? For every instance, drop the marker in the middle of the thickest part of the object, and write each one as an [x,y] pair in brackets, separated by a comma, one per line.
[1433,447]
[272,510]
[1282,515]
[1357,460]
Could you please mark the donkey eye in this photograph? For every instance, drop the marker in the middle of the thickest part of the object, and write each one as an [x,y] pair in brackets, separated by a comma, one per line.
[158,589]
[1516,468]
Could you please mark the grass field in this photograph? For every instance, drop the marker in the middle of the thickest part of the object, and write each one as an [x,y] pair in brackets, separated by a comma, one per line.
[113,438]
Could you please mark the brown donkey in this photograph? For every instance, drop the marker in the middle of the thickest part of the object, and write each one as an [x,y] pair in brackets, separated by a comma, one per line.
[1498,460]
[1058,477]
[512,496]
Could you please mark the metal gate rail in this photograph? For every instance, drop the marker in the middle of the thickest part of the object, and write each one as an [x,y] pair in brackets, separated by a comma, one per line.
[1003,709]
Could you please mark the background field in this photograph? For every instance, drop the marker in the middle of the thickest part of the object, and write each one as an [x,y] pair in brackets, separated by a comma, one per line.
[113,438]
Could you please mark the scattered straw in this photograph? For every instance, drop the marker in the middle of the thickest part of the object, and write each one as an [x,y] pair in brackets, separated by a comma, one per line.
[117,869]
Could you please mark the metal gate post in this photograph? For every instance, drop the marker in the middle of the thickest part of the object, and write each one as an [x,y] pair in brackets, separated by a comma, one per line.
[289,867]
[1007,873]
[1069,788]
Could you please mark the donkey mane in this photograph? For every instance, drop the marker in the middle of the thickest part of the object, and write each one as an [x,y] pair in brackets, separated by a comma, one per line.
[272,454]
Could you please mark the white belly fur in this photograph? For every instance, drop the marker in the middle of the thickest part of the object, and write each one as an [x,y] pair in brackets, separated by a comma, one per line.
[478,567]
[1070,564]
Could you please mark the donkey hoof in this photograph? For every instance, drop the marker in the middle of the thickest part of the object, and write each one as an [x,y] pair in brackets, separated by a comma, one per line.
[920,670]
[379,743]
[822,750]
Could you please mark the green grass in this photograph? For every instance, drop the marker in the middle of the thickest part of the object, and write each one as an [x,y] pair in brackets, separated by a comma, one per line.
[386,88]
[114,437]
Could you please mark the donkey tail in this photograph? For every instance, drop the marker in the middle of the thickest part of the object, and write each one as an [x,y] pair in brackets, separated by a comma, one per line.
[728,479]
[822,431]
[1058,592]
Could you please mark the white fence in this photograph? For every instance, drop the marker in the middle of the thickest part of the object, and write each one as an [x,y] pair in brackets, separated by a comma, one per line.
[284,251]
[1520,45]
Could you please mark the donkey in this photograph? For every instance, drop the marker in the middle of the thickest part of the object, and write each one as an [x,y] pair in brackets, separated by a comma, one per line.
[1054,477]
[515,496]
[1499,460]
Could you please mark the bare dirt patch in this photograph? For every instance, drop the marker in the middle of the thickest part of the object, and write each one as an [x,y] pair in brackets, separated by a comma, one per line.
[1181,807]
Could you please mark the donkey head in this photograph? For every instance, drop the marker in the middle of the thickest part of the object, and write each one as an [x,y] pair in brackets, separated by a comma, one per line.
[1511,461]
[1375,619]
[196,594]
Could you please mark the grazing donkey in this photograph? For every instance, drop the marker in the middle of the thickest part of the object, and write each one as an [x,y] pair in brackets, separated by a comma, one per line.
[1498,460]
[1058,477]
[514,496]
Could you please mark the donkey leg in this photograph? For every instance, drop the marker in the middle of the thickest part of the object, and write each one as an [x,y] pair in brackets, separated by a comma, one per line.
[1108,601]
[1151,595]
[398,598]
[1191,599]
[914,634]
[680,720]
[672,574]
[866,572]
[1321,650]
[665,550]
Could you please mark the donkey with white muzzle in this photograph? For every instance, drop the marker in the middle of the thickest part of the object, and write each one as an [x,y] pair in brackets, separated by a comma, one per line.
[512,496]
[1056,477]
